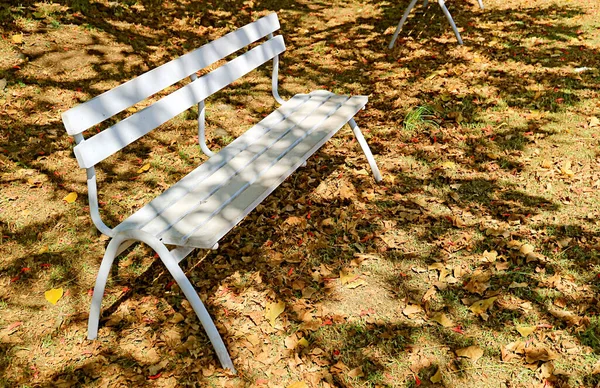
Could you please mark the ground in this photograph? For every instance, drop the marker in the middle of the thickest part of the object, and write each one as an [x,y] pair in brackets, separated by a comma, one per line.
[476,262]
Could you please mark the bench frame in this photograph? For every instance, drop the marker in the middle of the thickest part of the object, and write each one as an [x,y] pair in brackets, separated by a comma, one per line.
[87,115]
[442,5]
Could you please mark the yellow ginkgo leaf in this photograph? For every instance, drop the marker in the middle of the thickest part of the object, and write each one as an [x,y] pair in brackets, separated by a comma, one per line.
[481,306]
[347,277]
[70,198]
[144,168]
[273,310]
[298,384]
[303,342]
[17,39]
[437,377]
[54,295]
[442,319]
[526,330]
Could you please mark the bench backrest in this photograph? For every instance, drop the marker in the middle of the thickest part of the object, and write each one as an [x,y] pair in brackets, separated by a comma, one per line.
[93,150]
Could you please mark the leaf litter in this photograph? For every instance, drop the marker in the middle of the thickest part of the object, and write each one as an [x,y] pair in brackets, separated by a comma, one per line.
[490,190]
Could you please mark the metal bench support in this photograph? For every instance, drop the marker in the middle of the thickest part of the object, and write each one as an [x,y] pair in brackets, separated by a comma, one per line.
[171,262]
[442,5]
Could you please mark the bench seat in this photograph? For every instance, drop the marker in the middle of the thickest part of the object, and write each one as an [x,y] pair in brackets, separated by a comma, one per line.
[203,206]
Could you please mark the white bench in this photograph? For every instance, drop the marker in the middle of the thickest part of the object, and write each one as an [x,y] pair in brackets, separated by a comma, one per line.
[442,5]
[206,204]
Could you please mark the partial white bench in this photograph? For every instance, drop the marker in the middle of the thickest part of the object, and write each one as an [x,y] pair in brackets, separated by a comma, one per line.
[442,5]
[205,205]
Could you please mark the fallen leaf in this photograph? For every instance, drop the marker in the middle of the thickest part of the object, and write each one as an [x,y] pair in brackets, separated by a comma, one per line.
[437,377]
[356,284]
[546,370]
[526,249]
[411,310]
[473,352]
[17,39]
[526,330]
[490,257]
[347,277]
[594,122]
[298,384]
[53,295]
[70,198]
[303,342]
[273,310]
[518,285]
[356,372]
[144,168]
[481,306]
[442,319]
[539,354]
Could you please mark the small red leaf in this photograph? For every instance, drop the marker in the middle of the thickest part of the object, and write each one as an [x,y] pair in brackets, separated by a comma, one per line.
[417,380]
[155,376]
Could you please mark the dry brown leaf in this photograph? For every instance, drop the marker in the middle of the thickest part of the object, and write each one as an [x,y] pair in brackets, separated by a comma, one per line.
[356,372]
[17,39]
[539,354]
[526,249]
[546,370]
[473,352]
[429,294]
[518,285]
[490,257]
[293,220]
[478,282]
[412,309]
[436,266]
[442,319]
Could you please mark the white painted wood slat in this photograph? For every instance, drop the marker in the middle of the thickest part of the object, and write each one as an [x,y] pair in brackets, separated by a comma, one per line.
[191,181]
[213,193]
[99,147]
[198,212]
[106,105]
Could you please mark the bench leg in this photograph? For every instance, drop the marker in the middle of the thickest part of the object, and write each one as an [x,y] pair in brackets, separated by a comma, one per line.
[450,20]
[480,4]
[172,265]
[404,17]
[365,147]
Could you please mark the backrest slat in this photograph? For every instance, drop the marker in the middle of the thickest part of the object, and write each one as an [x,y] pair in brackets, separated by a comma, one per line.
[99,147]
[106,105]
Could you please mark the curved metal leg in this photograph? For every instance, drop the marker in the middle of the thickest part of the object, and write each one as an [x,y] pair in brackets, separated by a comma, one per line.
[404,17]
[172,265]
[480,3]
[450,20]
[109,257]
[365,147]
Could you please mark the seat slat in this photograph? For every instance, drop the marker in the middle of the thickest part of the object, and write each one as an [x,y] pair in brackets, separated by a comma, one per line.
[243,203]
[203,215]
[106,105]
[210,189]
[187,184]
[111,140]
